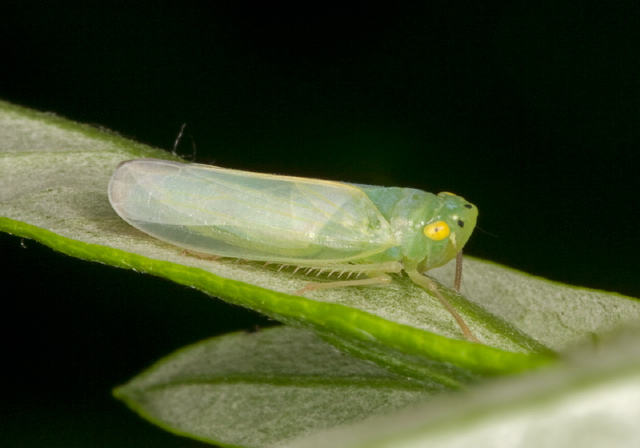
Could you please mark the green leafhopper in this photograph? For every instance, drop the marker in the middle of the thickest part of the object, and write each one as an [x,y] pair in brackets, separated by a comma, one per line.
[308,223]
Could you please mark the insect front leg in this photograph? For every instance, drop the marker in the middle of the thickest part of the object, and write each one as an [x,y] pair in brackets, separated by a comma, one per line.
[457,282]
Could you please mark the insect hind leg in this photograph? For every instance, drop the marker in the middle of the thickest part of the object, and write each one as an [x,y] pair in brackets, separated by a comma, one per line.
[378,280]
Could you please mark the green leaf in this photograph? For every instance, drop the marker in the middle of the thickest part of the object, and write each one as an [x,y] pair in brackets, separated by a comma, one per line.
[273,387]
[53,183]
[262,389]
[591,399]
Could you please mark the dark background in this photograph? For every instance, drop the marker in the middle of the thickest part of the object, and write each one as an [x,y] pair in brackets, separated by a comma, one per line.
[530,112]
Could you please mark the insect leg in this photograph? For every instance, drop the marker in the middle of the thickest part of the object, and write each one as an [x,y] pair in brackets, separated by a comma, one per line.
[200,255]
[458,279]
[379,280]
[430,286]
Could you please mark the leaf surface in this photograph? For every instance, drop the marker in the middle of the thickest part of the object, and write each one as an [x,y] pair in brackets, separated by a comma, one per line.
[53,188]
[264,388]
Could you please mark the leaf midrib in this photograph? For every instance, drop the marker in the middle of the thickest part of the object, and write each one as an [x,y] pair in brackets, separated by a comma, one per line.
[303,381]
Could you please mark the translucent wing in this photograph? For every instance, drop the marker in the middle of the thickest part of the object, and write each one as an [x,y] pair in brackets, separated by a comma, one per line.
[248,215]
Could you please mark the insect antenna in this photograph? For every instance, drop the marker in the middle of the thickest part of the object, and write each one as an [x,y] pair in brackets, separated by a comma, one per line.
[486,231]
[177,142]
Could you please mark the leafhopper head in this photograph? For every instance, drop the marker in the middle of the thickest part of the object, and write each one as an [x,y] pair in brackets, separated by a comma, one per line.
[445,226]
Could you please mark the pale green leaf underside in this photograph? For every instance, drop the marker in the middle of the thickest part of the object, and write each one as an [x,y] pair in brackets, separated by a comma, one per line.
[285,386]
[53,183]
[261,389]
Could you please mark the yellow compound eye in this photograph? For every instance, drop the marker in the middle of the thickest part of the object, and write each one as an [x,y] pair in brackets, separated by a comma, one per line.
[437,231]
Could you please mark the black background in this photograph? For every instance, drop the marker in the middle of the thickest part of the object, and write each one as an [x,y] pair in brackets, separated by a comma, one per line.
[530,112]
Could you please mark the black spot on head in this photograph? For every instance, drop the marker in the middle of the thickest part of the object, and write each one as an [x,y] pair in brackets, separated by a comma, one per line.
[461,223]
[468,205]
